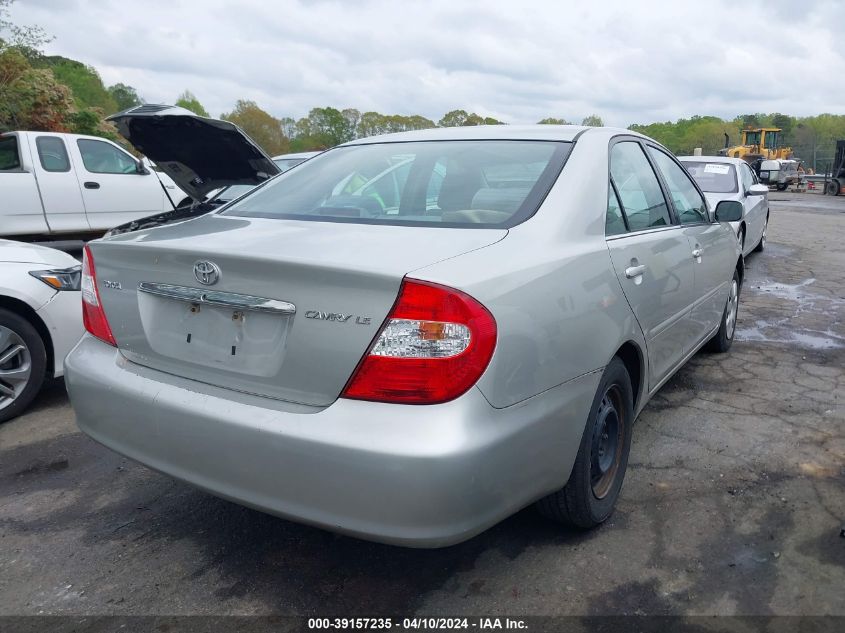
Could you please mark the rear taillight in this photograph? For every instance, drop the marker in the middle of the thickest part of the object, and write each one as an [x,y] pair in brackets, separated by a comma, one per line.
[433,346]
[92,310]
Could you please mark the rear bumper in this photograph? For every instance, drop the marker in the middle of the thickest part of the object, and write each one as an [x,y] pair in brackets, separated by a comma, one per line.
[423,476]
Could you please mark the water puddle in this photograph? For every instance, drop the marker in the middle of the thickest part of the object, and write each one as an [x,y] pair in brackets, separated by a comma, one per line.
[783,330]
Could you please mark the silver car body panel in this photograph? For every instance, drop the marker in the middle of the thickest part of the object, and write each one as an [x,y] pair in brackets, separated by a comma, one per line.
[415,475]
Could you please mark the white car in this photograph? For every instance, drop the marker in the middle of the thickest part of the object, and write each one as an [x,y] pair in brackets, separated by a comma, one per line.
[40,319]
[723,178]
[288,161]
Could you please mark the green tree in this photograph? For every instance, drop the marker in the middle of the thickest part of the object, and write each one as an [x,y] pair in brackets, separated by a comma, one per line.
[352,117]
[453,118]
[684,135]
[751,120]
[124,96]
[456,118]
[417,122]
[553,121]
[815,138]
[594,120]
[84,82]
[260,126]
[31,98]
[374,123]
[288,126]
[188,101]
[327,127]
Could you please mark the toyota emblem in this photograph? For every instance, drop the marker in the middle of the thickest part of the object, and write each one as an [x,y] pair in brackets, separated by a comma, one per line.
[207,273]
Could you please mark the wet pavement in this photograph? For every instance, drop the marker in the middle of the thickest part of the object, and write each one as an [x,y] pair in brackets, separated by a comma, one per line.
[733,503]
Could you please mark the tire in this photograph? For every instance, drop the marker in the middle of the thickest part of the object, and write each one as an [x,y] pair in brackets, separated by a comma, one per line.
[724,338]
[741,239]
[23,366]
[832,188]
[761,245]
[588,498]
[782,186]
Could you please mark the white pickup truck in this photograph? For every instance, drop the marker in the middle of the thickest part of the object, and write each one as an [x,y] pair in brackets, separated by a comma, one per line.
[53,183]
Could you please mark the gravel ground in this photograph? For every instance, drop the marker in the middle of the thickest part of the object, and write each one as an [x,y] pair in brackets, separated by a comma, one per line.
[733,503]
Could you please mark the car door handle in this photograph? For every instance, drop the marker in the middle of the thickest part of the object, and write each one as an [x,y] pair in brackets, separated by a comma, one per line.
[92,185]
[634,271]
[696,253]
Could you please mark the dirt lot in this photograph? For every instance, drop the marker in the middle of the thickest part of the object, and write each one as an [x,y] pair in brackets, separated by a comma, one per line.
[733,503]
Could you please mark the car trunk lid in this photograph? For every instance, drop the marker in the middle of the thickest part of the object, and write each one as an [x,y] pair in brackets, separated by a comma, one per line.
[340,280]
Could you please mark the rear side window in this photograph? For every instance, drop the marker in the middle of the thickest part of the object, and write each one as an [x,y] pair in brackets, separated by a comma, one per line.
[10,159]
[689,204]
[639,191]
[475,184]
[100,157]
[52,153]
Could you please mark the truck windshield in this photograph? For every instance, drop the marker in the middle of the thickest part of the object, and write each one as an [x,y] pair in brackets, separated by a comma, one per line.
[713,177]
[772,140]
[472,184]
[752,138]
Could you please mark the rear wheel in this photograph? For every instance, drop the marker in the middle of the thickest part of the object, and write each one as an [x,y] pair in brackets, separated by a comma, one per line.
[724,338]
[588,498]
[782,186]
[23,363]
[762,243]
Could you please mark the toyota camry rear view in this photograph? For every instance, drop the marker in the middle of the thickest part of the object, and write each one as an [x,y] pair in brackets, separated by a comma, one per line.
[410,337]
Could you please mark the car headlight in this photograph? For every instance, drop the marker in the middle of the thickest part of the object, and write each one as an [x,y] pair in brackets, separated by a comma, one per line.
[60,278]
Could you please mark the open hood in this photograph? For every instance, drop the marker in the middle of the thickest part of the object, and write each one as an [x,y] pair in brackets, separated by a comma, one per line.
[198,153]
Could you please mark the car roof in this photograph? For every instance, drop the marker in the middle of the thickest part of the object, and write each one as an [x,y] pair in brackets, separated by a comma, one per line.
[296,155]
[494,132]
[714,159]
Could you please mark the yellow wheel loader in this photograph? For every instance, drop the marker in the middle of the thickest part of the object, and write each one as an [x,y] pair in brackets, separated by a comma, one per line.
[758,144]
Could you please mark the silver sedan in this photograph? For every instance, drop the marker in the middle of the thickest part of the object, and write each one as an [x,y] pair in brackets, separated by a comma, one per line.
[409,338]
[722,178]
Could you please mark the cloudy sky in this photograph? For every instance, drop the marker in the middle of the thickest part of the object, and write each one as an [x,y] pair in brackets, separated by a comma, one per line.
[629,62]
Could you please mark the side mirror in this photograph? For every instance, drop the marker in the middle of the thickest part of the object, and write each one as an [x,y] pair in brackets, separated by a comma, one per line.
[757,190]
[729,211]
[140,169]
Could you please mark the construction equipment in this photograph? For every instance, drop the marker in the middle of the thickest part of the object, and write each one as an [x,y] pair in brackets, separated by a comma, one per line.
[835,183]
[758,144]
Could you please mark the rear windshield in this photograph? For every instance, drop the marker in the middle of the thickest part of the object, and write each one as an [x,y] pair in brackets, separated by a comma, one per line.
[713,177]
[473,184]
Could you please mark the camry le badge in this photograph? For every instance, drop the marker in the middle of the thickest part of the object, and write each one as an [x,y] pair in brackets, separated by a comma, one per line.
[206,272]
[336,317]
